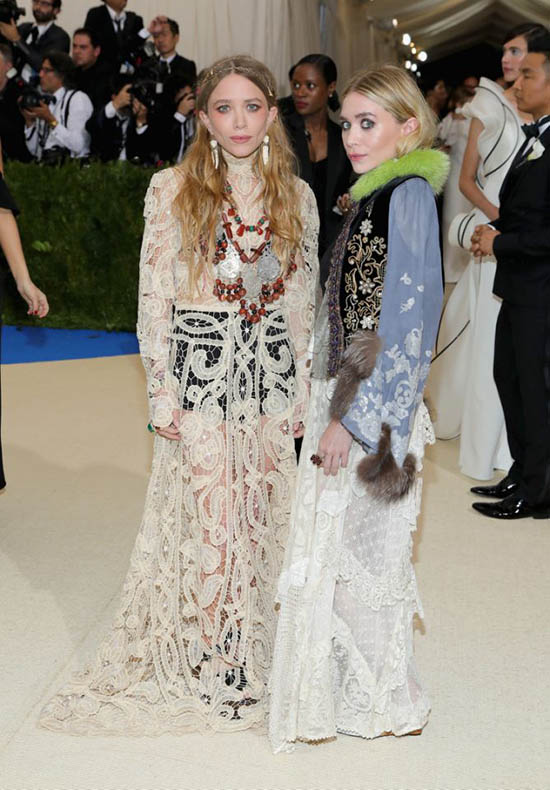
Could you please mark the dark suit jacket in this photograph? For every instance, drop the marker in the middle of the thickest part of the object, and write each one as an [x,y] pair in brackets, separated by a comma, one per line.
[339,172]
[523,248]
[95,82]
[183,68]
[107,139]
[114,52]
[54,38]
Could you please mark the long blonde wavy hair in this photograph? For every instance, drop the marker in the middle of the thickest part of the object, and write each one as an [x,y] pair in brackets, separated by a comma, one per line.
[199,201]
[394,90]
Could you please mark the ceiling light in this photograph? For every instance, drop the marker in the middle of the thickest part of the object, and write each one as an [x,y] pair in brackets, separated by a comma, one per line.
[406,39]
[422,56]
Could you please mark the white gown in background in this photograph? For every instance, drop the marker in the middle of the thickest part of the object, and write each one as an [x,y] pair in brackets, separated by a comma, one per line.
[453,132]
[461,383]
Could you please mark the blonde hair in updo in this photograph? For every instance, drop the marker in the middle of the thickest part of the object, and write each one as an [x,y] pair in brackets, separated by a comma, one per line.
[199,201]
[397,93]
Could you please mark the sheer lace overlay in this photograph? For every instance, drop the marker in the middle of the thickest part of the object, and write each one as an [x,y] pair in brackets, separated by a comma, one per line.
[343,660]
[192,642]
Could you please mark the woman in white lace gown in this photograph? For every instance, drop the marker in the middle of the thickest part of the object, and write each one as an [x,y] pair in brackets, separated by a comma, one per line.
[343,660]
[453,133]
[227,283]
[461,383]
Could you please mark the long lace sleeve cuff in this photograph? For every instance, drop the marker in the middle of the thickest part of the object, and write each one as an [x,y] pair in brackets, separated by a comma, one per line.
[159,252]
[300,299]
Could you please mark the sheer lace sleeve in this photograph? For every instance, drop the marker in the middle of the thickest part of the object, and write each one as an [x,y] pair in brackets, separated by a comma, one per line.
[300,298]
[159,254]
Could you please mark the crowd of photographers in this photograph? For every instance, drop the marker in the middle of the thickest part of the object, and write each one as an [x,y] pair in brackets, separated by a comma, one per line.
[117,91]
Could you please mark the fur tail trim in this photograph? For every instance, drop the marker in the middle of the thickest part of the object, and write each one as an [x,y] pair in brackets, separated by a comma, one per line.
[359,362]
[380,473]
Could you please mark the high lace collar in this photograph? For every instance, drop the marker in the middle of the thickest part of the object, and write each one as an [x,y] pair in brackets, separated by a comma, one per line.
[241,165]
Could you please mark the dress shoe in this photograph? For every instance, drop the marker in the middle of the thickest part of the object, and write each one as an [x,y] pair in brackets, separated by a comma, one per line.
[498,491]
[514,506]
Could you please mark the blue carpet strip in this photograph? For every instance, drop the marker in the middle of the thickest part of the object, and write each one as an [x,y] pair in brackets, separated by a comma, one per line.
[39,344]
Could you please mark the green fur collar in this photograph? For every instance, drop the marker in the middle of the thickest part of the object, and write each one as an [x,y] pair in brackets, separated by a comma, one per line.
[424,162]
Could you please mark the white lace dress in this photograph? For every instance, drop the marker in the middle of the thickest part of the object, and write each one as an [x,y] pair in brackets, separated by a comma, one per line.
[344,659]
[461,384]
[191,645]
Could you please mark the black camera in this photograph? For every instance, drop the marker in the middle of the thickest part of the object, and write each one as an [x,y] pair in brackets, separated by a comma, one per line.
[31,98]
[145,91]
[54,156]
[10,10]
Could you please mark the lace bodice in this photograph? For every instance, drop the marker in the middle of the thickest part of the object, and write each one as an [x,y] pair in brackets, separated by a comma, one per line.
[164,275]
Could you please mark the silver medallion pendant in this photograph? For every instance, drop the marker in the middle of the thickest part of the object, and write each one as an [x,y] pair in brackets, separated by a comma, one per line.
[268,266]
[230,267]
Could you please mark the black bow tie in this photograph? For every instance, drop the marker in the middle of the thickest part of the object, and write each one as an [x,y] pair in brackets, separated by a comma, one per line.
[533,129]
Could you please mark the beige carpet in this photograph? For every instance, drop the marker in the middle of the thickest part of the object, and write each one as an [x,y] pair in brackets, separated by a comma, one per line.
[77,457]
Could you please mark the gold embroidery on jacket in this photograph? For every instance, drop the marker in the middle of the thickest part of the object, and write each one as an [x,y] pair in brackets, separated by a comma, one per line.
[364,278]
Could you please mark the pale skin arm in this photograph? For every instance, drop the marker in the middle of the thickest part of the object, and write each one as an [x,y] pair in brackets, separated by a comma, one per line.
[10,242]
[470,163]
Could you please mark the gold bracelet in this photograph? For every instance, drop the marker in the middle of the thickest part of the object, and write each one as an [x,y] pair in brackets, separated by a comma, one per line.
[54,123]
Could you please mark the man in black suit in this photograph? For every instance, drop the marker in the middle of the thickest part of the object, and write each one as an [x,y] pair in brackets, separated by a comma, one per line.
[32,40]
[91,76]
[166,38]
[177,123]
[121,34]
[520,241]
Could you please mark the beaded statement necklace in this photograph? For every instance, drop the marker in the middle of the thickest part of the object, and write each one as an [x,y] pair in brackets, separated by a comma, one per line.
[251,289]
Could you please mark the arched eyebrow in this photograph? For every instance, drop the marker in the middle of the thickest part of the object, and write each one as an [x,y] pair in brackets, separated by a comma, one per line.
[230,101]
[359,116]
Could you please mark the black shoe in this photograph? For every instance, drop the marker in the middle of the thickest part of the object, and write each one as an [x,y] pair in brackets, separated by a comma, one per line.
[498,491]
[514,506]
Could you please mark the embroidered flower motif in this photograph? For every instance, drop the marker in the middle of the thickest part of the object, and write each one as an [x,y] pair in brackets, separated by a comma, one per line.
[366,286]
[420,288]
[406,306]
[537,151]
[367,322]
[406,279]
[366,227]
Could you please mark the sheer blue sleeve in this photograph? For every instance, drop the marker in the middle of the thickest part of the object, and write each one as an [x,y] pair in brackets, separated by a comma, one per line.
[411,305]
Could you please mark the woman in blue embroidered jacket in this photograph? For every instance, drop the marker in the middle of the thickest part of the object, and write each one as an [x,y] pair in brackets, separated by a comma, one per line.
[344,652]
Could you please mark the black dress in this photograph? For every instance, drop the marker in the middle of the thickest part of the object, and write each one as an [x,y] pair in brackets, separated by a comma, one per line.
[6,201]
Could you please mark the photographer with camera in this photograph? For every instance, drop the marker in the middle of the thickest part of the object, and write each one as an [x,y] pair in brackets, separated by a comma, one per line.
[12,125]
[177,124]
[56,117]
[30,41]
[125,128]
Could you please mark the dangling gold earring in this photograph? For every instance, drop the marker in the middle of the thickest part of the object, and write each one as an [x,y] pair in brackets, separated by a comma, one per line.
[265,150]
[214,152]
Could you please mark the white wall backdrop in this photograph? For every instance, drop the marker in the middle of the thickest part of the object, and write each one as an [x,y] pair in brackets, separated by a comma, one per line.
[278,32]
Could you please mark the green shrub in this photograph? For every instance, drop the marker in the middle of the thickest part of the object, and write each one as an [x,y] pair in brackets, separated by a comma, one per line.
[81,230]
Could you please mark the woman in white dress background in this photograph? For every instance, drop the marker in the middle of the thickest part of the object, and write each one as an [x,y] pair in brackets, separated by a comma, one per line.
[461,383]
[453,134]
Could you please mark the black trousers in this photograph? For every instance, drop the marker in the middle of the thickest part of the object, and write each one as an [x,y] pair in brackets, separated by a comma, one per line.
[522,376]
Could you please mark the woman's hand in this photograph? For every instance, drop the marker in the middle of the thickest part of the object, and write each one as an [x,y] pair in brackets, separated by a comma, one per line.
[173,430]
[36,300]
[334,446]
[298,429]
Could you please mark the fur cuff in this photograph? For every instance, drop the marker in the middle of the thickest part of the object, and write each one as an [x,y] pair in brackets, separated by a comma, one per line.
[359,362]
[380,473]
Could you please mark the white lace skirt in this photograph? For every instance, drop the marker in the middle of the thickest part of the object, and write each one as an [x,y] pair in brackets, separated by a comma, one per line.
[343,659]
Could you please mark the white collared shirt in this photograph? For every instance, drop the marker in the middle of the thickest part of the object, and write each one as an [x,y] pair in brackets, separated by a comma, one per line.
[121,18]
[40,136]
